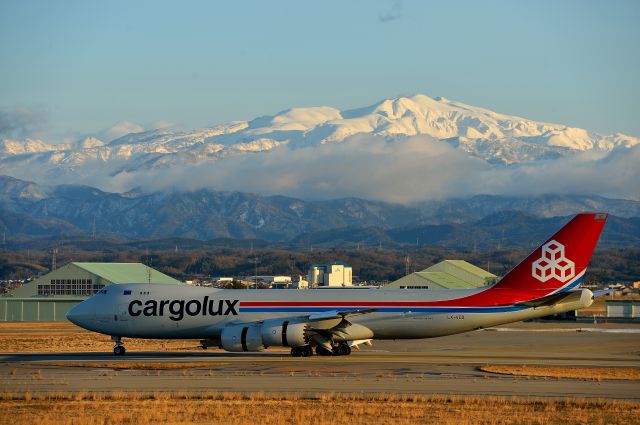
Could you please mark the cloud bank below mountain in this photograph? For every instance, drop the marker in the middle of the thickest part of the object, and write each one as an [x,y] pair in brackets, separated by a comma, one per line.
[401,149]
[403,171]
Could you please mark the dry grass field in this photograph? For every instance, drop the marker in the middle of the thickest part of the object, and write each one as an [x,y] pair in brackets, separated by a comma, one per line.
[318,409]
[566,372]
[64,337]
[586,373]
[137,365]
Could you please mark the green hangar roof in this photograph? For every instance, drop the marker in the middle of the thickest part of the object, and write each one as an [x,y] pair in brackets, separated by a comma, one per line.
[448,274]
[126,272]
[84,279]
[468,267]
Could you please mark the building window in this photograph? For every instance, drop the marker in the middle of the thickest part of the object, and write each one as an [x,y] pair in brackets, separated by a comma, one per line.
[74,287]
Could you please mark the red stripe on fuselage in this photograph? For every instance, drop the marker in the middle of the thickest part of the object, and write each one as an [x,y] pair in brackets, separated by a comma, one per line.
[331,303]
[490,299]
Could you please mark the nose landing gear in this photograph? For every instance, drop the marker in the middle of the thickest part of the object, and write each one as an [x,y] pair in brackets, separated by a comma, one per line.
[119,349]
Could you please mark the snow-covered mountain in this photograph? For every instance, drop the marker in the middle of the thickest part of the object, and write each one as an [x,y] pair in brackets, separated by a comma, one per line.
[494,137]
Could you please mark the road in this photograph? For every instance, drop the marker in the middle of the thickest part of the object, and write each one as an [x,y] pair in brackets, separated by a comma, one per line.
[440,366]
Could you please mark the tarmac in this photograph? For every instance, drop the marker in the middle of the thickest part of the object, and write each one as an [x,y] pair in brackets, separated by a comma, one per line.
[447,365]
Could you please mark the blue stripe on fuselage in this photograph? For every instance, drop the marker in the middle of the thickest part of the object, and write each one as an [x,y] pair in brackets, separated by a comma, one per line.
[572,285]
[384,309]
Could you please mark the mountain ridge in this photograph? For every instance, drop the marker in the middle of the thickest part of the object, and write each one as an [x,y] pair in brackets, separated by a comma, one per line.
[494,137]
[29,210]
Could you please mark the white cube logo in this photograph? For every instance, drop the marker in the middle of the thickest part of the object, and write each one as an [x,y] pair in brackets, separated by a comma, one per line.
[553,263]
[542,269]
[565,270]
[553,251]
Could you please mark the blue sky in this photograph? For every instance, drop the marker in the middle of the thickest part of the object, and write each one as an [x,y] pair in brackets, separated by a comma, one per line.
[86,65]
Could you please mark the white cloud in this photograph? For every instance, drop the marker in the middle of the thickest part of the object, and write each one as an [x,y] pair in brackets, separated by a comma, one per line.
[393,13]
[22,122]
[413,169]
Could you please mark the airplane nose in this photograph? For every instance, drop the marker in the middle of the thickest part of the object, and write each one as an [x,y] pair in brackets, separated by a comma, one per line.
[80,314]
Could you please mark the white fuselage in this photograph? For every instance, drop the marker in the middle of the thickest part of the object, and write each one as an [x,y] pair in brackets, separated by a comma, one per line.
[187,312]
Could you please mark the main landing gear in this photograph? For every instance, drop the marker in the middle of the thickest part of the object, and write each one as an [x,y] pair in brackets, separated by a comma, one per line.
[119,349]
[304,351]
[341,349]
[206,343]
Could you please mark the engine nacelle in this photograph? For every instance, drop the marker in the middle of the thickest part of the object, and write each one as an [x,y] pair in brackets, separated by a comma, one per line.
[271,333]
[297,334]
[245,337]
[283,333]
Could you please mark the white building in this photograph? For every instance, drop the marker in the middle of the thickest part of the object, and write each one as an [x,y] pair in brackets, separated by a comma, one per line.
[334,274]
[274,282]
[221,279]
[282,280]
[299,283]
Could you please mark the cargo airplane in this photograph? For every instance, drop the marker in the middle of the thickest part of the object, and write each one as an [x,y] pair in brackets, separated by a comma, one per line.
[331,321]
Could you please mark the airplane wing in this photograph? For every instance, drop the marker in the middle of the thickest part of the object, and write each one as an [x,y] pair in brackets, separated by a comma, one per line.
[335,314]
[325,328]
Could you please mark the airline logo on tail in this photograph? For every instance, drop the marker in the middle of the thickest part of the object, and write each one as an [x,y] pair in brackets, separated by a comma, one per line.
[553,263]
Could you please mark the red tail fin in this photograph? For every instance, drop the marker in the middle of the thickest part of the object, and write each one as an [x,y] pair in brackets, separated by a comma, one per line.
[559,264]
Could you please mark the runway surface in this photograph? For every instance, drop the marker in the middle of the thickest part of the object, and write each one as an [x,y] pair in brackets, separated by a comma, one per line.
[443,366]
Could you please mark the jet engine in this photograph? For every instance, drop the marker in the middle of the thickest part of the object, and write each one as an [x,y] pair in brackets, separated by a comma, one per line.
[258,336]
[283,333]
[244,337]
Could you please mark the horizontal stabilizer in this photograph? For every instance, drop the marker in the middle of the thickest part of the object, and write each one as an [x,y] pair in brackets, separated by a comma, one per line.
[602,292]
[554,298]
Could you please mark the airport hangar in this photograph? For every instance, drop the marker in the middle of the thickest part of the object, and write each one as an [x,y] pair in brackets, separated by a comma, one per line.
[447,274]
[49,297]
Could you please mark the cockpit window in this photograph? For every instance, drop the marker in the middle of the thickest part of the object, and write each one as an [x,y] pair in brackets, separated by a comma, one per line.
[102,291]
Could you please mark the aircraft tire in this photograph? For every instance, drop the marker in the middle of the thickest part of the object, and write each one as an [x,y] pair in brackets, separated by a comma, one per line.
[119,350]
[341,350]
[321,351]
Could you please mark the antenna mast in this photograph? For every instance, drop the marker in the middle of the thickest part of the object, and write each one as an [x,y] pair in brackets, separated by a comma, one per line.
[54,251]
[255,282]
